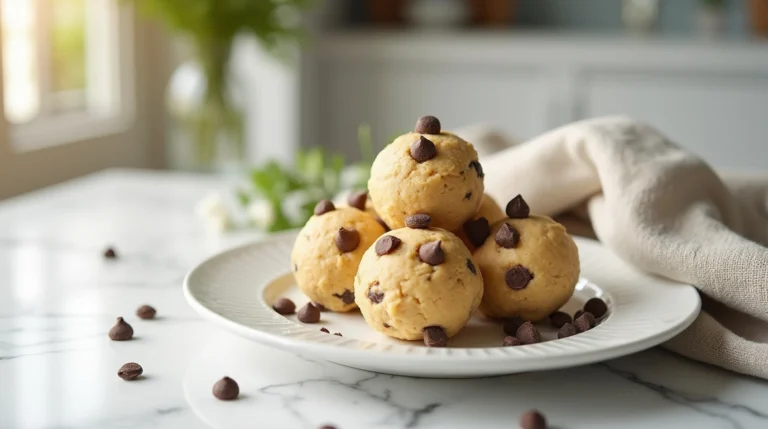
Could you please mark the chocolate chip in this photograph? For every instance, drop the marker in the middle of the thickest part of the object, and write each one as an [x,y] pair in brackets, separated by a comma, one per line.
[325,330]
[432,253]
[357,200]
[324,207]
[382,223]
[512,324]
[477,231]
[528,334]
[434,336]
[422,150]
[418,221]
[146,312]
[375,294]
[507,236]
[319,306]
[386,325]
[309,314]
[597,307]
[585,322]
[110,253]
[387,244]
[122,331]
[284,306]
[348,297]
[518,277]
[226,389]
[533,420]
[517,208]
[347,240]
[478,168]
[328,427]
[468,196]
[427,125]
[130,371]
[338,334]
[471,267]
[577,314]
[510,341]
[558,319]
[567,330]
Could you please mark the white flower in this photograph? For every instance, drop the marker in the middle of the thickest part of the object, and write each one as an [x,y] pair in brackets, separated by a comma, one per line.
[260,212]
[218,222]
[211,205]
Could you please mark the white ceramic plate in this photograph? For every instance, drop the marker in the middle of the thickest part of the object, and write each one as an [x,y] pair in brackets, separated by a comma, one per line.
[236,288]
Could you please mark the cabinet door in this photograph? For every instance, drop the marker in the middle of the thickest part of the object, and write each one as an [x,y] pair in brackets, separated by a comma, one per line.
[723,118]
[391,97]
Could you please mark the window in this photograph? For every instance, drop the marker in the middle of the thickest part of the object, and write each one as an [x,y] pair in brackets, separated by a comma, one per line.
[66,70]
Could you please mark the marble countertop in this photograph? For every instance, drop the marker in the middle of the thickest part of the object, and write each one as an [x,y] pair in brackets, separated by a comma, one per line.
[59,297]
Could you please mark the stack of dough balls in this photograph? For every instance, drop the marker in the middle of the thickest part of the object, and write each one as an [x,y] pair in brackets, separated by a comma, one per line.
[451,249]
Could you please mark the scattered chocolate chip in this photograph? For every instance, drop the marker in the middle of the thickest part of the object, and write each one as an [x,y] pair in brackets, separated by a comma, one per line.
[357,200]
[577,314]
[328,427]
[585,322]
[478,168]
[309,314]
[512,324]
[477,231]
[110,253]
[348,297]
[567,330]
[422,150]
[528,334]
[597,307]
[518,277]
[375,294]
[510,341]
[558,319]
[226,389]
[284,306]
[146,312]
[130,371]
[432,253]
[325,330]
[387,244]
[319,306]
[386,325]
[324,207]
[517,208]
[468,196]
[418,221]
[434,336]
[382,223]
[428,125]
[122,331]
[347,240]
[471,267]
[507,236]
[338,334]
[533,420]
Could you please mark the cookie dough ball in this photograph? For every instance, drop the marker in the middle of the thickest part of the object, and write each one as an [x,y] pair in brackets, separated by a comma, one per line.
[413,279]
[359,200]
[427,171]
[530,265]
[327,252]
[474,231]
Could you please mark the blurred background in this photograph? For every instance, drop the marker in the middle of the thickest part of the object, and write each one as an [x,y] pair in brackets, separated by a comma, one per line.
[226,86]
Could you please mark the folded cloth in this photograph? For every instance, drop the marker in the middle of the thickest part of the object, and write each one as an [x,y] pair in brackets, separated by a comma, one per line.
[662,210]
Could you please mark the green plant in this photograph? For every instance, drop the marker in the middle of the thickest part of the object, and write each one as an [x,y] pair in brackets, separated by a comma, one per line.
[315,175]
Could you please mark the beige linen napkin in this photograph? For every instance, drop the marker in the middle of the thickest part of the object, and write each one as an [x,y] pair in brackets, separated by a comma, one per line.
[661,209]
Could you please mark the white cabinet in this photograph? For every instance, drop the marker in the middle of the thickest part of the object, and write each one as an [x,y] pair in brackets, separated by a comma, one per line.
[709,96]
[722,118]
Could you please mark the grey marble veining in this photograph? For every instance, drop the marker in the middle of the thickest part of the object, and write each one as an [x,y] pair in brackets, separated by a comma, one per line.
[58,298]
